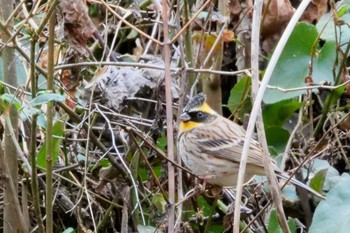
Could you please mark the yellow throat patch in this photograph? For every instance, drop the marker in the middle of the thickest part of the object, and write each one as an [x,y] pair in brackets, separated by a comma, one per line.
[185,126]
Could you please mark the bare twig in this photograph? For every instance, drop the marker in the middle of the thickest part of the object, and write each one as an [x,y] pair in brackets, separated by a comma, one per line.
[129,24]
[49,128]
[321,86]
[190,21]
[138,204]
[270,171]
[169,118]
[156,67]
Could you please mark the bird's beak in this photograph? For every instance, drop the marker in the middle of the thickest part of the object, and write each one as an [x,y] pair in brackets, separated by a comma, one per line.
[185,117]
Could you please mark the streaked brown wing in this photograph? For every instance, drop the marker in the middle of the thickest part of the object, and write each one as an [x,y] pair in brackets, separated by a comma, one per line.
[225,139]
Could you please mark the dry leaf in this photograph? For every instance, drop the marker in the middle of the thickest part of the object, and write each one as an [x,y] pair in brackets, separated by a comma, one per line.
[277,14]
[315,10]
[75,24]
[43,61]
[207,40]
[234,7]
[115,84]
[228,35]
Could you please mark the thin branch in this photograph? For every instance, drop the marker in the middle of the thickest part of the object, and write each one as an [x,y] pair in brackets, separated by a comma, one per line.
[321,86]
[138,205]
[269,169]
[169,118]
[154,176]
[129,24]
[190,21]
[49,128]
[21,154]
[156,67]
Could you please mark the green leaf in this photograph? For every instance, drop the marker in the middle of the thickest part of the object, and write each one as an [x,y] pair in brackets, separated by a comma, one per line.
[239,101]
[104,162]
[148,229]
[93,11]
[277,138]
[274,227]
[27,112]
[214,16]
[69,230]
[332,175]
[132,34]
[159,202]
[328,32]
[343,10]
[332,214]
[162,143]
[337,93]
[46,97]
[290,194]
[21,69]
[323,63]
[204,206]
[41,121]
[278,113]
[317,182]
[8,100]
[57,138]
[294,63]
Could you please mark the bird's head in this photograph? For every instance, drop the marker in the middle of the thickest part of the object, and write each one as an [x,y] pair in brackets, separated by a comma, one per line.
[196,113]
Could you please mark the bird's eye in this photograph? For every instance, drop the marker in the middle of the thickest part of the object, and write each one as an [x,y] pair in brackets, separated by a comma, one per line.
[200,114]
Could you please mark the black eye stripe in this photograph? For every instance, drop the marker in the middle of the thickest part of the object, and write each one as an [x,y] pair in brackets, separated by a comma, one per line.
[198,116]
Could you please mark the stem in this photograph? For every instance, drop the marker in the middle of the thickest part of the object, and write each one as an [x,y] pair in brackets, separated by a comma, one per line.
[269,169]
[188,45]
[49,130]
[169,118]
[34,183]
[332,96]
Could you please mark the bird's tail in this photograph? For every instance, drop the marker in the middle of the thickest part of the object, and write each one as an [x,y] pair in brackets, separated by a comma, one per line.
[300,184]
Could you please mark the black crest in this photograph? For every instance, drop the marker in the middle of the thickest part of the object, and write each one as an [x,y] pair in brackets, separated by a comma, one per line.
[196,101]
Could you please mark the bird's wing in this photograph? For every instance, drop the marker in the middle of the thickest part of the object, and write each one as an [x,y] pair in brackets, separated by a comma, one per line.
[225,139]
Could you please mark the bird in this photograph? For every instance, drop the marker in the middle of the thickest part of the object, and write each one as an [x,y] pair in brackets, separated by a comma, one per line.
[211,145]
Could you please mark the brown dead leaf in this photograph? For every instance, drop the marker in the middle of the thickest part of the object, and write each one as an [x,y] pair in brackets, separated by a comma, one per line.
[207,40]
[43,61]
[234,7]
[228,35]
[308,80]
[276,15]
[77,26]
[344,78]
[345,124]
[106,174]
[315,11]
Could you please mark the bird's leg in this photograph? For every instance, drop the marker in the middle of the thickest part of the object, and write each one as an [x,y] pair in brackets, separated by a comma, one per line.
[215,191]
[187,196]
[206,178]
[198,189]
[200,186]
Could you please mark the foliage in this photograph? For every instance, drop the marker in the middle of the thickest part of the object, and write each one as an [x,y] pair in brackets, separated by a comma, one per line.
[110,144]
[293,67]
[331,215]
[274,227]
